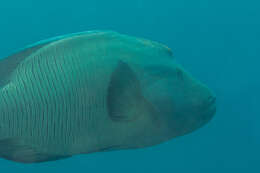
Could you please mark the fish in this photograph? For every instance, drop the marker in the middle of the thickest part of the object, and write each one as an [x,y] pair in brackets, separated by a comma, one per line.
[95,91]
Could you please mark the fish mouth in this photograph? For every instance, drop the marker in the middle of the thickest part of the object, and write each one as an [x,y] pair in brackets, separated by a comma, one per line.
[211,108]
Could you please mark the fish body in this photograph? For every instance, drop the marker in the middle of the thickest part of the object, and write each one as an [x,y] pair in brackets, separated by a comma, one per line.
[95,91]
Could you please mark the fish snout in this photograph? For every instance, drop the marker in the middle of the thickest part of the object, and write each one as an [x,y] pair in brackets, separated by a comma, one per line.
[209,108]
[203,102]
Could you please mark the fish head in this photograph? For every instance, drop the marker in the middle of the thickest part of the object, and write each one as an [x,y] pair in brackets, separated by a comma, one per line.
[184,103]
[153,96]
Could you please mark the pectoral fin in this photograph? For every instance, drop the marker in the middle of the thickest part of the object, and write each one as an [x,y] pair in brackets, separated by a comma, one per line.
[123,94]
[125,100]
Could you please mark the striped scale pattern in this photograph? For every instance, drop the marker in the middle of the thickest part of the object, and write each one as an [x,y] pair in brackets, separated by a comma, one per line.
[53,100]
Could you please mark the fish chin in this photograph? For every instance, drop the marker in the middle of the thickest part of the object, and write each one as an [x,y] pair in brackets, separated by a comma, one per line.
[208,114]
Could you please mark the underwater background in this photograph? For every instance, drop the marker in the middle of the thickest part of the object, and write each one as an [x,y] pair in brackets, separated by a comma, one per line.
[217,41]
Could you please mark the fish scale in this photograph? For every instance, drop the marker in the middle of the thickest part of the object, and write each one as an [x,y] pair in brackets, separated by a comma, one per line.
[95,91]
[39,75]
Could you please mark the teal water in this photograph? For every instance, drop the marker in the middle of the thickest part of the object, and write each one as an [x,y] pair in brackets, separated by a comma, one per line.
[217,41]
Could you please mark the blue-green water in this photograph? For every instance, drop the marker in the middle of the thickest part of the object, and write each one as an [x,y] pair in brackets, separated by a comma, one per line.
[217,41]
